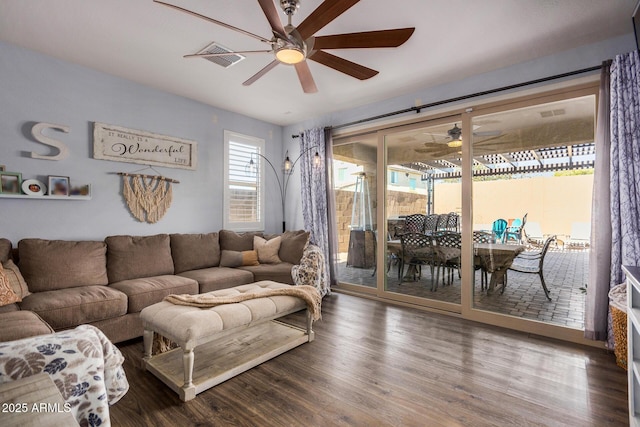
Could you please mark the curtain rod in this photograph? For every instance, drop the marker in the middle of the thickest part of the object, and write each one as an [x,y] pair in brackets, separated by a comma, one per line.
[461,98]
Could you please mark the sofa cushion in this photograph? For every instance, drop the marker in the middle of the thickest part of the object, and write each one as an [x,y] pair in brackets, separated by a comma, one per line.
[5,250]
[193,251]
[237,259]
[212,279]
[267,249]
[57,264]
[145,291]
[232,241]
[66,308]
[9,308]
[275,272]
[131,257]
[293,245]
[12,273]
[22,324]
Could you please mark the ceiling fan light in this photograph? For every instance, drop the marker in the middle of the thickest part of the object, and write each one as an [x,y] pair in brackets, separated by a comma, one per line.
[456,137]
[290,55]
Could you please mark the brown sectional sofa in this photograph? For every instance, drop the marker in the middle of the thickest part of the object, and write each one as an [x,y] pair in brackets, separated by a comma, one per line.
[107,283]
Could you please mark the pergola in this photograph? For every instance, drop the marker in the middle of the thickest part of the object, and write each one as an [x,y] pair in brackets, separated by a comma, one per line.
[561,158]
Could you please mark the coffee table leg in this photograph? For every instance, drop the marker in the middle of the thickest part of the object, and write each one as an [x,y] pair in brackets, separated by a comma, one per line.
[148,343]
[310,333]
[188,391]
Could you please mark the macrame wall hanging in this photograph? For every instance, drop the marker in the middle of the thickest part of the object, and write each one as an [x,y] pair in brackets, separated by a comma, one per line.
[148,196]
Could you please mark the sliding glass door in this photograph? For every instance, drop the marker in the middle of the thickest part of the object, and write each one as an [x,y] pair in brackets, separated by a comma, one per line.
[532,194]
[422,194]
[354,168]
[485,213]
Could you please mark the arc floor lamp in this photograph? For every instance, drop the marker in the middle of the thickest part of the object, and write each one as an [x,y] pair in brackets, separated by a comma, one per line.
[287,170]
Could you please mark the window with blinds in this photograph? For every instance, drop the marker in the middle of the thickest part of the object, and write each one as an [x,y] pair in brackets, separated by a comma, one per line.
[244,192]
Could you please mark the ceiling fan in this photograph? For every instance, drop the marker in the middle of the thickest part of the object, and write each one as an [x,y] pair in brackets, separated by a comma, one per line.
[293,45]
[453,140]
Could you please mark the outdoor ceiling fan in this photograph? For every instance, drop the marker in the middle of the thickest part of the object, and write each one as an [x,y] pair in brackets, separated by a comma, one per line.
[293,45]
[450,143]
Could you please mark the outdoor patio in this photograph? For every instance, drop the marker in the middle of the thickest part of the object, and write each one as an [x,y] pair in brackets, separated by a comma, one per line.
[565,272]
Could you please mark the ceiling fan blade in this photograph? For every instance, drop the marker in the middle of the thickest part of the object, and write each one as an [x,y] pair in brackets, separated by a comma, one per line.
[261,73]
[325,13]
[351,68]
[366,39]
[306,79]
[270,11]
[214,21]
[239,52]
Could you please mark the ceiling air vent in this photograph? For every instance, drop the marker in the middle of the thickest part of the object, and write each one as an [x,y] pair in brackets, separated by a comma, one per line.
[552,113]
[225,61]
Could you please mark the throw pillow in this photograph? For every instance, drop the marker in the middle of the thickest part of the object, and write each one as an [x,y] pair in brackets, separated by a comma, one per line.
[267,249]
[16,280]
[293,245]
[238,258]
[7,296]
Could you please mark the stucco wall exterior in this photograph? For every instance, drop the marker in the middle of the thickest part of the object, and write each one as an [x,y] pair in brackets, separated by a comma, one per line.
[553,202]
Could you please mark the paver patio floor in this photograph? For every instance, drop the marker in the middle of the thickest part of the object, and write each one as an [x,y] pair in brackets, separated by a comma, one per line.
[565,272]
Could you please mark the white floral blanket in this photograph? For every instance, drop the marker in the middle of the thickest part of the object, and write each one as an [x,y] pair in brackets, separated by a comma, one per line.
[82,362]
[311,270]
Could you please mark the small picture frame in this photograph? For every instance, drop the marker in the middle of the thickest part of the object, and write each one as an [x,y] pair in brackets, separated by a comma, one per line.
[58,185]
[83,190]
[3,168]
[10,182]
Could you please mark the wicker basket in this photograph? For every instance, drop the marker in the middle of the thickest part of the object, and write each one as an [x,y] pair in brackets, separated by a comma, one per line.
[618,305]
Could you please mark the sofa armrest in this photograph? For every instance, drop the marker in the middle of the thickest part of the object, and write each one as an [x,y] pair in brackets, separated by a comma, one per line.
[312,270]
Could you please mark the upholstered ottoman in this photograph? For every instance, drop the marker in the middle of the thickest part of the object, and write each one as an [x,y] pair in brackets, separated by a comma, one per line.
[219,342]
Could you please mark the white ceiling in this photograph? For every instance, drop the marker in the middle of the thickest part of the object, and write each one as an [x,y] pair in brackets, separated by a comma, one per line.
[144,42]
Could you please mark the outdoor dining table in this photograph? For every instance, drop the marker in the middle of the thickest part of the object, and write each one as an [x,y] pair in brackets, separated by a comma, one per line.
[495,258]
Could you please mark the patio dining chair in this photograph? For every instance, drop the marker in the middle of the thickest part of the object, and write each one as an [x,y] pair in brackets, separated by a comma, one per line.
[482,237]
[443,220]
[532,263]
[431,223]
[499,228]
[413,223]
[448,255]
[514,232]
[417,250]
[453,222]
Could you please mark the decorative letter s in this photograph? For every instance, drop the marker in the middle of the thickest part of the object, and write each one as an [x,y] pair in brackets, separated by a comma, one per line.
[36,131]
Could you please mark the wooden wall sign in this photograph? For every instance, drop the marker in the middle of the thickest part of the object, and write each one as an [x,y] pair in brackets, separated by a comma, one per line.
[135,146]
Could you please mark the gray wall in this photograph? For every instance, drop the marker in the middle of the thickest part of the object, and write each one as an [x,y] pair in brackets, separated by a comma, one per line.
[37,88]
[576,59]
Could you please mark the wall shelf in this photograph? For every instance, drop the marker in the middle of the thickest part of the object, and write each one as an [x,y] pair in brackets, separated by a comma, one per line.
[633,342]
[27,197]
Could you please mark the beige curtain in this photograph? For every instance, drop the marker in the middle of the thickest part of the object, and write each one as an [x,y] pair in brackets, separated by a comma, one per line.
[597,301]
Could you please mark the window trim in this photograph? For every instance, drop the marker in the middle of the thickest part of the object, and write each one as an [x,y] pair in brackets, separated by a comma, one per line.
[259,144]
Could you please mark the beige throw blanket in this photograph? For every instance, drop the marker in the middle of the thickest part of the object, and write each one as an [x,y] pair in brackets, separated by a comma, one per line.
[309,294]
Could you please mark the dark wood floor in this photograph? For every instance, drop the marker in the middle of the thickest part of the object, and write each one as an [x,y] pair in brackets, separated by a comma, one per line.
[376,364]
